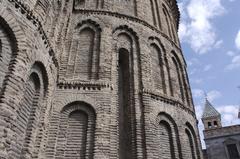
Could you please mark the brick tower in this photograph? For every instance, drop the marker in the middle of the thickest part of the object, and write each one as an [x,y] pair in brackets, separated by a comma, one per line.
[94,79]
[211,118]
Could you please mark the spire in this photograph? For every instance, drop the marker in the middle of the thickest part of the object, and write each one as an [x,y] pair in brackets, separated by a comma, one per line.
[211,118]
[209,110]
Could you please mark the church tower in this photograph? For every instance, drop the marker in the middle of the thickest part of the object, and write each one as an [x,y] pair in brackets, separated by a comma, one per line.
[222,142]
[94,79]
[211,118]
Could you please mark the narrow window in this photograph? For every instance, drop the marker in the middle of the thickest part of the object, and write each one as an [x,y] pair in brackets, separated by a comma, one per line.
[215,124]
[209,125]
[176,80]
[233,151]
[84,57]
[157,69]
[76,135]
[158,14]
[124,105]
[190,146]
[170,82]
[79,3]
[6,50]
[27,114]
[100,4]
[153,13]
[166,140]
[30,110]
[0,48]
[168,23]
[173,32]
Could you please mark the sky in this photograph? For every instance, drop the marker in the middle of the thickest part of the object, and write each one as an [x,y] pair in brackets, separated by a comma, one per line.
[209,32]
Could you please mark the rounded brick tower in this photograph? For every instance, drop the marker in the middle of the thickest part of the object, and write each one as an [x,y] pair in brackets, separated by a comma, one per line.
[94,79]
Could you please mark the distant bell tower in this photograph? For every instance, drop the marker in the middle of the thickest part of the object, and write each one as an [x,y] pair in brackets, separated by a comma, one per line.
[211,118]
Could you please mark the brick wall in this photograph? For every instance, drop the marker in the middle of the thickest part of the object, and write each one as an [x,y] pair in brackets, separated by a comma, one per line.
[94,79]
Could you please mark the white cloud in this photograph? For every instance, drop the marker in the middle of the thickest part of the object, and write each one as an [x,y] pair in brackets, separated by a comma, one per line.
[193,62]
[229,114]
[237,40]
[207,68]
[231,53]
[196,27]
[197,81]
[218,44]
[192,71]
[235,63]
[198,93]
[212,95]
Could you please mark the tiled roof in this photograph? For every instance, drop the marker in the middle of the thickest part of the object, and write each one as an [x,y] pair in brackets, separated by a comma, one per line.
[209,110]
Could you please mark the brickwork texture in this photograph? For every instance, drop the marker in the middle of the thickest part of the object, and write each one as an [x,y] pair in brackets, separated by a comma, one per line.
[94,79]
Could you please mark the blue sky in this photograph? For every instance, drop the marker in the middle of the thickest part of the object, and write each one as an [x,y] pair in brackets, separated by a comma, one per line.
[209,32]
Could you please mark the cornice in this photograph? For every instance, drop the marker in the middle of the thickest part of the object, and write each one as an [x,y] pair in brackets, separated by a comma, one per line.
[35,21]
[168,100]
[98,86]
[175,10]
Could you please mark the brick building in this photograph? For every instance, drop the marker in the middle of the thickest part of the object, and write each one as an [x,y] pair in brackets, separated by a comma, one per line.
[221,142]
[102,79]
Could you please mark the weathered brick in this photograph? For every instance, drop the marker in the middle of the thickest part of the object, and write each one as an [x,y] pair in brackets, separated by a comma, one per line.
[94,79]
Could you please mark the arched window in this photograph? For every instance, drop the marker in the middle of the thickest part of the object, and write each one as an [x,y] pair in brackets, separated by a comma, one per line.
[28,114]
[192,147]
[186,88]
[166,140]
[168,137]
[83,59]
[157,68]
[0,47]
[169,21]
[100,4]
[153,12]
[232,148]
[75,138]
[209,125]
[79,4]
[126,105]
[170,83]
[176,79]
[76,134]
[87,4]
[125,96]
[215,124]
[7,49]
[155,4]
